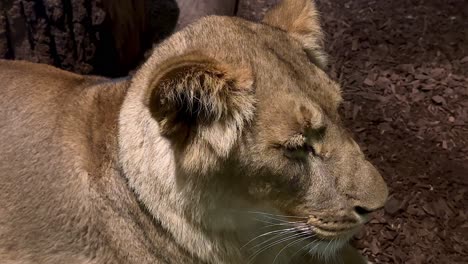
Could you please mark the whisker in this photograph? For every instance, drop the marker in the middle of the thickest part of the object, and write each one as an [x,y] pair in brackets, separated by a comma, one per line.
[334,248]
[325,253]
[306,246]
[286,216]
[272,238]
[288,245]
[268,217]
[274,244]
[318,243]
[304,229]
[312,249]
[268,233]
[280,224]
[271,220]
[340,260]
[264,221]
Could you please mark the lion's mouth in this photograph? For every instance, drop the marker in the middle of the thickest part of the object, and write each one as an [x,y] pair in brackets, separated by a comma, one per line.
[330,231]
[323,236]
[324,233]
[342,228]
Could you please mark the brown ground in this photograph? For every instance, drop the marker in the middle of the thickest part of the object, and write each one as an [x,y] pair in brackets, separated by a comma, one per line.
[403,65]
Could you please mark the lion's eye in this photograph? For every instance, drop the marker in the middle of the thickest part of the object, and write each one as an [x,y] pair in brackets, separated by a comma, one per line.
[310,149]
[299,152]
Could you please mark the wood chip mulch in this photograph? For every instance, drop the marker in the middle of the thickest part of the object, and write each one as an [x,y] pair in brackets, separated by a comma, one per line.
[403,66]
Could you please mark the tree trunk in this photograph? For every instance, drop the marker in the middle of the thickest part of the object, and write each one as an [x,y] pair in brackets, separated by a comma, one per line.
[105,37]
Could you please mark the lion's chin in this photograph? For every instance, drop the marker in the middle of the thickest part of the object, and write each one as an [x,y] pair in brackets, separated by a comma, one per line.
[326,245]
[327,250]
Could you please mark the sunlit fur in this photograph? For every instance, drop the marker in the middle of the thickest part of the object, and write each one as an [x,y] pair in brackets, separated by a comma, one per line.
[225,147]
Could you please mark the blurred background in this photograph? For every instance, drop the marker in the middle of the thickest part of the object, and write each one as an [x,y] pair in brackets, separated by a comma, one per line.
[403,66]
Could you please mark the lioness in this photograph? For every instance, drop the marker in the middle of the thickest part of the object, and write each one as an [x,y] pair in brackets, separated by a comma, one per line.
[225,147]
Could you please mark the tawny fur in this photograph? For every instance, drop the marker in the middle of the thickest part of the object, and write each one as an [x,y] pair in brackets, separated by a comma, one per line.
[226,118]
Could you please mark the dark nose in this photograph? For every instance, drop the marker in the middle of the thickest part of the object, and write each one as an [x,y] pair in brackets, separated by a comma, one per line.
[362,211]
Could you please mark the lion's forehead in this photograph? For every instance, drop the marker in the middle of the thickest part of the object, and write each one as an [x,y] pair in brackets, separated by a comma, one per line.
[279,64]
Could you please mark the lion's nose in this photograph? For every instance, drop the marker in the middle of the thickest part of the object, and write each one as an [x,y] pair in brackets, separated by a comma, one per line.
[363,211]
[371,192]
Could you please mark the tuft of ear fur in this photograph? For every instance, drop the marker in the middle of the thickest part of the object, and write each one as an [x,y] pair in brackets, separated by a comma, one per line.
[195,98]
[301,20]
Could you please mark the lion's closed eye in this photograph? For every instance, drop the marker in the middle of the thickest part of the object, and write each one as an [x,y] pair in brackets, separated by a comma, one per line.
[298,148]
[300,153]
[301,145]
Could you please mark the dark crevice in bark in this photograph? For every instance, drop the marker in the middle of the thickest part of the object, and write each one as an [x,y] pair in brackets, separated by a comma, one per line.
[10,54]
[88,22]
[68,12]
[27,22]
[236,7]
[40,11]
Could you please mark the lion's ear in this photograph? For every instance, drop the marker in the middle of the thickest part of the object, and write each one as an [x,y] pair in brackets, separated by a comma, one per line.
[195,97]
[300,19]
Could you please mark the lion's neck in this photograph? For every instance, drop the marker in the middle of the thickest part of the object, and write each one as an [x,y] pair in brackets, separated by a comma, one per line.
[148,163]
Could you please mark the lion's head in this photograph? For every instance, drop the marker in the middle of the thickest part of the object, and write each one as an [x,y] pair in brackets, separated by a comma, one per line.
[231,119]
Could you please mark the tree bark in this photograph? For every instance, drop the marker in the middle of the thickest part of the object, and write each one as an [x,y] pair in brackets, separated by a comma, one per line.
[103,37]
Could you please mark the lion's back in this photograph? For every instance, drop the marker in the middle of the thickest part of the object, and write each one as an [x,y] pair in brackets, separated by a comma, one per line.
[33,160]
[33,97]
